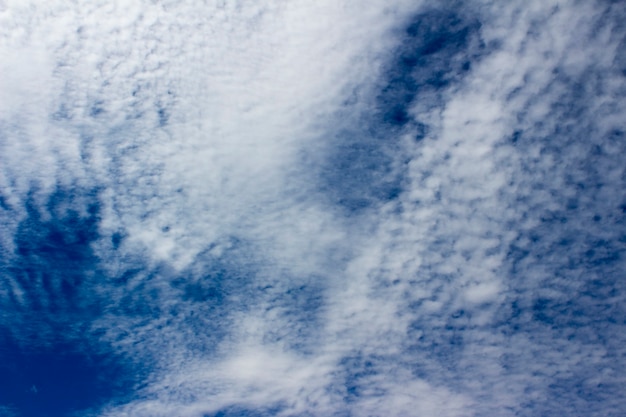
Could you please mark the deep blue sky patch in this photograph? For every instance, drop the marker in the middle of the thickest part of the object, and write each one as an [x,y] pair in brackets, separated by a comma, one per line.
[52,365]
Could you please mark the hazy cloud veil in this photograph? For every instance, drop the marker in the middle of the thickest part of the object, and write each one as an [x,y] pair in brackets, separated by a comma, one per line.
[312,208]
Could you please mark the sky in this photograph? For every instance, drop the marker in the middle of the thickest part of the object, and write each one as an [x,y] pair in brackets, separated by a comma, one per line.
[312,208]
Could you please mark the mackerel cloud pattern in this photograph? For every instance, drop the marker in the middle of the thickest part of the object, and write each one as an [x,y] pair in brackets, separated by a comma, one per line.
[312,208]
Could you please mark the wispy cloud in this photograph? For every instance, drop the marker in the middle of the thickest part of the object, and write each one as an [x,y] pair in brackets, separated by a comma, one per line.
[317,208]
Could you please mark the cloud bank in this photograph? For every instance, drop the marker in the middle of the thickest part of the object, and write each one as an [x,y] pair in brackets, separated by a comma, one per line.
[312,208]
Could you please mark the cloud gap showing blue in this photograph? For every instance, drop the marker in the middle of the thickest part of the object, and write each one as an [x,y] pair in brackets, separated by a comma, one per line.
[437,48]
[52,365]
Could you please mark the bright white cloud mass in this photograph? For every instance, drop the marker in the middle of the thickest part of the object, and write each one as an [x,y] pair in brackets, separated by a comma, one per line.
[312,208]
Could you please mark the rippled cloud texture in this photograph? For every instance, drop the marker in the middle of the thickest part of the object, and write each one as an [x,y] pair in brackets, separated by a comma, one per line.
[312,208]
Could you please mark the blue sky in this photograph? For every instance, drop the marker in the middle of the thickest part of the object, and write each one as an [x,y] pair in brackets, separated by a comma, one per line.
[329,208]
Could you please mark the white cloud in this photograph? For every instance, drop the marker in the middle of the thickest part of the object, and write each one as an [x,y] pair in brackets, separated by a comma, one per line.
[205,129]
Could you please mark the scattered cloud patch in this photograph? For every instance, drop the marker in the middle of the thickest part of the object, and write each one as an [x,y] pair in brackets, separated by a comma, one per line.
[296,209]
